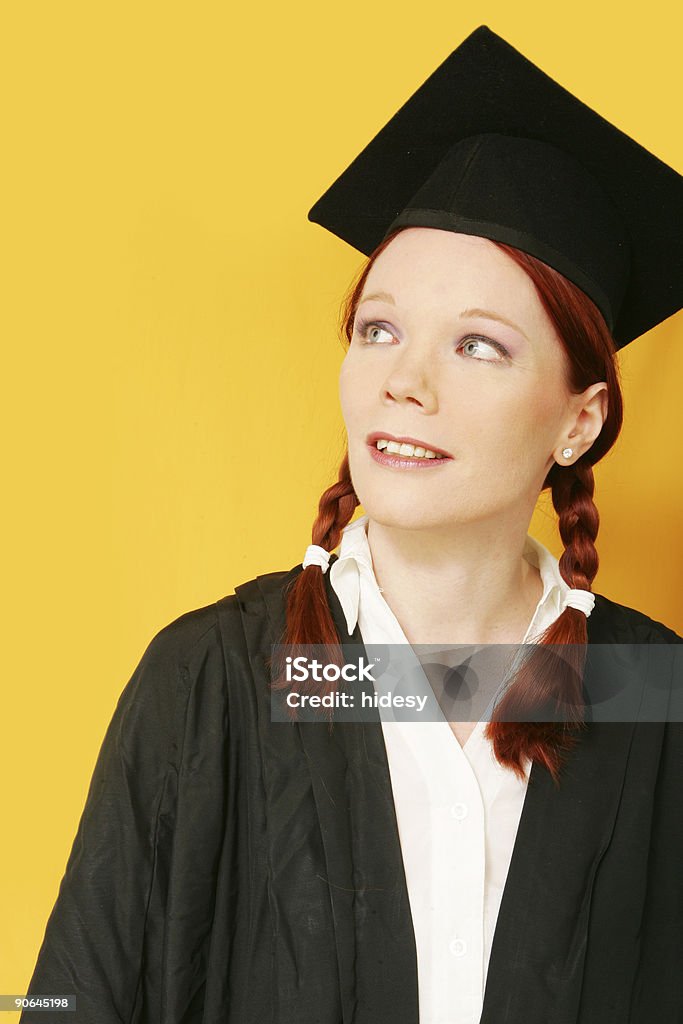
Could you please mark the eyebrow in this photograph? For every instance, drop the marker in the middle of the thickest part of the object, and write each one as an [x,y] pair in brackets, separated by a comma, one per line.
[487,314]
[382,296]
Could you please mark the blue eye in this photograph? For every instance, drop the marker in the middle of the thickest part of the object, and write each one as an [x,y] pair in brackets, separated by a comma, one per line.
[366,328]
[495,345]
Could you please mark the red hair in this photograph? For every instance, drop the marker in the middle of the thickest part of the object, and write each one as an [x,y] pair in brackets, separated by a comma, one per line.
[542,676]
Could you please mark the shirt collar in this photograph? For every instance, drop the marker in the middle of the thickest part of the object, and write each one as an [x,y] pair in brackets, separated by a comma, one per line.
[355,558]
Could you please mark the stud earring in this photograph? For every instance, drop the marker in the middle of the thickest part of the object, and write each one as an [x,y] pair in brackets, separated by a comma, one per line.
[567,453]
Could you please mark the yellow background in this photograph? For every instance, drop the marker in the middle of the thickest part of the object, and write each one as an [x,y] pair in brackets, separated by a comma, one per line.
[169,338]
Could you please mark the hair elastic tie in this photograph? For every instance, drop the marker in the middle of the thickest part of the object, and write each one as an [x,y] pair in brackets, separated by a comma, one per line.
[315,555]
[582,600]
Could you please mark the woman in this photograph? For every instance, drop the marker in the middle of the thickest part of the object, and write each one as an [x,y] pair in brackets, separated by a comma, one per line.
[228,867]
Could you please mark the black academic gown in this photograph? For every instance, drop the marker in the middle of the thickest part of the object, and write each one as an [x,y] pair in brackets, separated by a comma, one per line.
[232,870]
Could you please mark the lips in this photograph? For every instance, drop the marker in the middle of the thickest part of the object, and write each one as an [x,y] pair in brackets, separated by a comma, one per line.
[372,439]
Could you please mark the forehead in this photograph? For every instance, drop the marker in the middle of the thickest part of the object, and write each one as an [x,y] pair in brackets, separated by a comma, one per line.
[428,266]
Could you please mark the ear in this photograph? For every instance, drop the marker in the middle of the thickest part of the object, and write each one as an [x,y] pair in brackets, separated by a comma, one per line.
[587,413]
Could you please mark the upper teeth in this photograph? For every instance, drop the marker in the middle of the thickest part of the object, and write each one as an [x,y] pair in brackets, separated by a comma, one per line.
[396,448]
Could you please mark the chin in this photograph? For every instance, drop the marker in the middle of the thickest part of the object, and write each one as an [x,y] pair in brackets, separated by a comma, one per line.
[401,513]
[404,500]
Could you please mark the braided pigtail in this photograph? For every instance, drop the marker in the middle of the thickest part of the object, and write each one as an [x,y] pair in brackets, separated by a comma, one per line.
[572,493]
[545,680]
[308,615]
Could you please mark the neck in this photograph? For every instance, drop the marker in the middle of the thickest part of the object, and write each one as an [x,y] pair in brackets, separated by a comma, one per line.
[464,585]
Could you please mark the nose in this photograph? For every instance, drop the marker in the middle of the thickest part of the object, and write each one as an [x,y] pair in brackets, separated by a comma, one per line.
[411,381]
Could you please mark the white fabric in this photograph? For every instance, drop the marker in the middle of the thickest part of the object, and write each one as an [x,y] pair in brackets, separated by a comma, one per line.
[583,600]
[315,555]
[457,809]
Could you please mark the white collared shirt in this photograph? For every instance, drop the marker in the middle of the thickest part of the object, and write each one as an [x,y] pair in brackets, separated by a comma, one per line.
[457,809]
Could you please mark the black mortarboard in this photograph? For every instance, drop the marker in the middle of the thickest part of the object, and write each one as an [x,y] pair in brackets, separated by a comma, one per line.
[490,145]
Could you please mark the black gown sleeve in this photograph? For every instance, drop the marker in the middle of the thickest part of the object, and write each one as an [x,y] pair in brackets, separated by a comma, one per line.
[93,943]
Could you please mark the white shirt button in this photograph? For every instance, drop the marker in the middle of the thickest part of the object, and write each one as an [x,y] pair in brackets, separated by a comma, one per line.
[459,811]
[458,947]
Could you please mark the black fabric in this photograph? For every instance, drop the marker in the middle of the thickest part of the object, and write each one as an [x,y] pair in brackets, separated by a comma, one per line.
[230,869]
[490,145]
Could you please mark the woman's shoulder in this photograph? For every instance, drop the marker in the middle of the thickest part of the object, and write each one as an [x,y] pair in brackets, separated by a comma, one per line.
[176,641]
[612,622]
[173,660]
[195,631]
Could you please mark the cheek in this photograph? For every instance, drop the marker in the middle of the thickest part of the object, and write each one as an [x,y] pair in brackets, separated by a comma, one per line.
[345,392]
[535,397]
[543,410]
[354,390]
[512,423]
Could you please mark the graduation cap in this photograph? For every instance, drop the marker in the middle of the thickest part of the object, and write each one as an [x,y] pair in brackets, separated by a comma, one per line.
[490,145]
